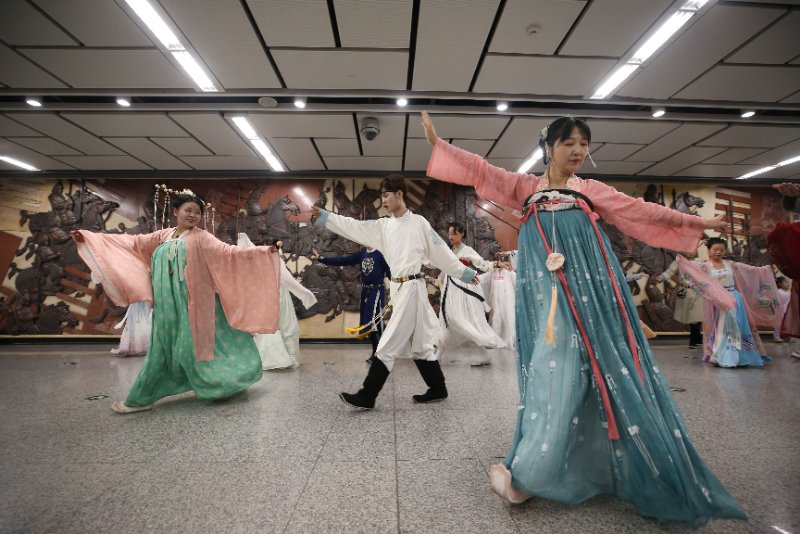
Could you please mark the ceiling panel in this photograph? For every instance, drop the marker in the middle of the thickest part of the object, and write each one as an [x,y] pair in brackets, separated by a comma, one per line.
[541,75]
[733,82]
[614,151]
[676,140]
[127,124]
[364,163]
[418,152]
[181,146]
[634,132]
[554,18]
[7,148]
[681,160]
[9,128]
[21,24]
[343,69]
[450,39]
[616,167]
[149,152]
[304,23]
[226,163]
[297,154]
[719,31]
[794,99]
[338,147]
[705,170]
[776,155]
[45,145]
[733,155]
[214,132]
[18,71]
[390,140]
[777,45]
[611,27]
[300,124]
[520,138]
[117,28]
[104,163]
[753,136]
[361,25]
[92,68]
[54,126]
[464,127]
[476,146]
[222,35]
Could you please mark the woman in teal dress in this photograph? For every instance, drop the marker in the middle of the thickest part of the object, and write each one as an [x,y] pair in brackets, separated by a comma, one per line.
[596,415]
[172,365]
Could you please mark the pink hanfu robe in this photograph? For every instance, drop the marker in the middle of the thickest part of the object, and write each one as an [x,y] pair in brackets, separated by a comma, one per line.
[121,263]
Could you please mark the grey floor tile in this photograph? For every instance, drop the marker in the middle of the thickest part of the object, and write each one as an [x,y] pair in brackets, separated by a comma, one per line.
[431,435]
[449,496]
[348,497]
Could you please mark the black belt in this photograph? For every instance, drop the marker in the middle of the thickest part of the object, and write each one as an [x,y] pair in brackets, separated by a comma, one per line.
[444,298]
[401,279]
[372,286]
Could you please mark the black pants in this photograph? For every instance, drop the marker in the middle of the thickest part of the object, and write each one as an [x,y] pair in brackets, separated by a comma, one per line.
[695,334]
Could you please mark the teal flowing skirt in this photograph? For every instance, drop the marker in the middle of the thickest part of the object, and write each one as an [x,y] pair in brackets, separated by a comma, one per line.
[561,448]
[171,366]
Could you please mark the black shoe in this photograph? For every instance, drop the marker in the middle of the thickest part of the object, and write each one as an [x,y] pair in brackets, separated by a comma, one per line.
[357,400]
[431,395]
[365,398]
[434,378]
[371,359]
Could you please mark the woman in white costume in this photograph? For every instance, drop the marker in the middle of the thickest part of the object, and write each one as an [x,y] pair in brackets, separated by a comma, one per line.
[136,335]
[463,307]
[501,293]
[281,349]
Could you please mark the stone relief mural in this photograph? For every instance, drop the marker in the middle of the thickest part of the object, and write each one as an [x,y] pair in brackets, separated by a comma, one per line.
[48,290]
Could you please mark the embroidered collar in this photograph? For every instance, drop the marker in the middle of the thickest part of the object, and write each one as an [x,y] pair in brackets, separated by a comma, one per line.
[573,182]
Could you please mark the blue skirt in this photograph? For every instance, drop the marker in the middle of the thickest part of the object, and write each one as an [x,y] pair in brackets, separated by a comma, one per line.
[726,353]
[561,447]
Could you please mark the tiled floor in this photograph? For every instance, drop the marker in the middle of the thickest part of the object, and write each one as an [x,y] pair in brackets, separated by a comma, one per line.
[287,456]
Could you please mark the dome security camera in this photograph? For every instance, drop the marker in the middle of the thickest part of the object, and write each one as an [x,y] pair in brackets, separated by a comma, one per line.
[370,128]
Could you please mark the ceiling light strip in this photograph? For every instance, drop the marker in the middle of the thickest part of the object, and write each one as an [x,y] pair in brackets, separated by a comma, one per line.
[646,50]
[145,11]
[531,161]
[768,168]
[258,143]
[18,163]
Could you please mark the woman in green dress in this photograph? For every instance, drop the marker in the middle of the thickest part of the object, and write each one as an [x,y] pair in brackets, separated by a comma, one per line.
[201,337]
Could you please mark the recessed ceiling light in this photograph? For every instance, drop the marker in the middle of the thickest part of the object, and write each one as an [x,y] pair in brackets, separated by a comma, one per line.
[124,102]
[612,82]
[402,102]
[33,102]
[747,114]
[195,71]
[300,103]
[502,106]
[18,163]
[659,112]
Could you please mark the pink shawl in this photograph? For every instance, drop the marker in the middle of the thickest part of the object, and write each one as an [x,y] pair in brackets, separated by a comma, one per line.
[122,264]
[704,285]
[760,293]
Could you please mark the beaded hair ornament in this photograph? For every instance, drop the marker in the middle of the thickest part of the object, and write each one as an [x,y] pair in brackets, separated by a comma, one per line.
[209,211]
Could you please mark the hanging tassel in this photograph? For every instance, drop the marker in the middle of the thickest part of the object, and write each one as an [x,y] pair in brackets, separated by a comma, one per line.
[549,333]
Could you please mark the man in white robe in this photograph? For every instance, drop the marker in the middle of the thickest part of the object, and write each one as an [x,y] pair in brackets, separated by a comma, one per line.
[406,241]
